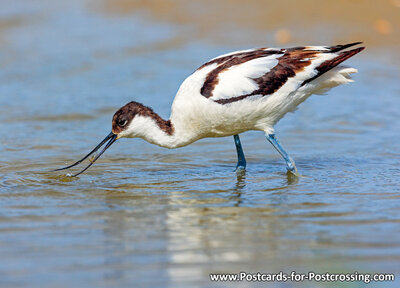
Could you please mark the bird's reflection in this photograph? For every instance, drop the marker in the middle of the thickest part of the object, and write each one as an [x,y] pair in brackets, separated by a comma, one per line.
[239,186]
[240,179]
[292,179]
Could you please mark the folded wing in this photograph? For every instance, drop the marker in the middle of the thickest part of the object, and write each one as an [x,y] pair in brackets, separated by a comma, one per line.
[262,72]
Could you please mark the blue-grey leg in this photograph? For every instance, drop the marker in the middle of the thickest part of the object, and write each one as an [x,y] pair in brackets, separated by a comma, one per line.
[241,164]
[291,166]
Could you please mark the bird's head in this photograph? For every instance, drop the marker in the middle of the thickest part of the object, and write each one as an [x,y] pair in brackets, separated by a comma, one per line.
[128,121]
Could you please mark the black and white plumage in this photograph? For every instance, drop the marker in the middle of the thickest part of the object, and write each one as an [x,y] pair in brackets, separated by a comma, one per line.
[236,92]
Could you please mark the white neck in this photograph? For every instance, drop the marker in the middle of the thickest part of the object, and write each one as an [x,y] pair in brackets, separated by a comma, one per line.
[148,129]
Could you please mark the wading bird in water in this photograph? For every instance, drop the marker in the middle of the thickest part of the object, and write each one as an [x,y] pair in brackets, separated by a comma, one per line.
[233,93]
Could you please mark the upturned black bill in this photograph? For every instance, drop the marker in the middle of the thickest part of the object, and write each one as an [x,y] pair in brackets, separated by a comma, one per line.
[111,138]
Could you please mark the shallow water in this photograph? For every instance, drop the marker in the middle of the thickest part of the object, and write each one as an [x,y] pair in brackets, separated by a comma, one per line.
[148,216]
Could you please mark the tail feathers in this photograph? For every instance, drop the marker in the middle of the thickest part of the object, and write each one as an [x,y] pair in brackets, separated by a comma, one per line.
[346,71]
[330,64]
[334,77]
[338,48]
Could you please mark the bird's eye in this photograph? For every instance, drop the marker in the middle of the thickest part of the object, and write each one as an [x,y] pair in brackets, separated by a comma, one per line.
[122,122]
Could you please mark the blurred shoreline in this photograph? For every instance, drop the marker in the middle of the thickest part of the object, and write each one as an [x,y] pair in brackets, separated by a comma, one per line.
[308,21]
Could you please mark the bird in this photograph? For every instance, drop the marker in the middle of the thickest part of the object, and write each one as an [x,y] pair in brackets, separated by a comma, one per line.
[234,93]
